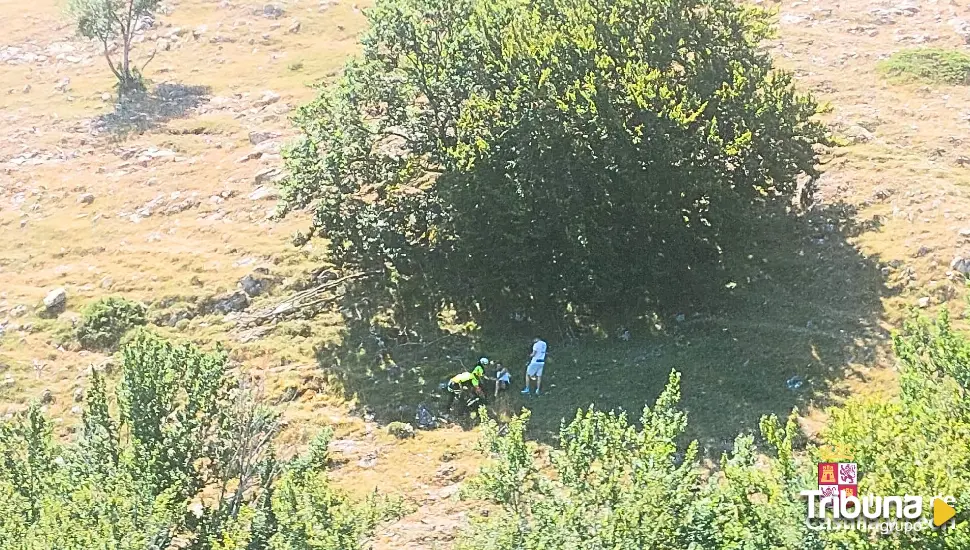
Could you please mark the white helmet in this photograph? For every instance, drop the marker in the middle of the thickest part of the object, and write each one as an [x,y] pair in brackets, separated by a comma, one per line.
[483,360]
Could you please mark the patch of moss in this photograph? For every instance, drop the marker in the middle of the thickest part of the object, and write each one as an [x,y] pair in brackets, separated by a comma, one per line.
[929,65]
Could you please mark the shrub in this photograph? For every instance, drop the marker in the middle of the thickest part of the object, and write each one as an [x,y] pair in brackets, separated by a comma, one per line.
[105,321]
[616,485]
[178,425]
[933,65]
[613,484]
[400,430]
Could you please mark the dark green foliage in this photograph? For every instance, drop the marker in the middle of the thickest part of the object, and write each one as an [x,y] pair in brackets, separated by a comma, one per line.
[918,442]
[933,65]
[181,425]
[105,321]
[616,485]
[578,159]
[170,396]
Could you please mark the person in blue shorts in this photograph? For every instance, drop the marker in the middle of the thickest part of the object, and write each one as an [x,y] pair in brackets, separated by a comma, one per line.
[533,371]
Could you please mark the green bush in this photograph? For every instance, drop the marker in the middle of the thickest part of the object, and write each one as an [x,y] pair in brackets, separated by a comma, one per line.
[177,426]
[616,485]
[932,65]
[105,321]
[613,484]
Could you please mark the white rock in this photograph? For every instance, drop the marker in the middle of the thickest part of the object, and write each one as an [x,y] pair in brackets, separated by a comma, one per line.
[55,300]
[267,175]
[258,137]
[265,192]
[85,198]
[960,264]
[268,98]
[923,302]
[272,12]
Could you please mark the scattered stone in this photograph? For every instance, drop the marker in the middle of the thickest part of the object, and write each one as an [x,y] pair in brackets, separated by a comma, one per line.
[258,137]
[446,471]
[85,198]
[27,89]
[63,85]
[858,134]
[268,175]
[962,28]
[268,98]
[254,284]
[18,311]
[965,232]
[294,28]
[289,394]
[55,301]
[923,302]
[78,395]
[8,382]
[264,192]
[369,461]
[882,194]
[400,430]
[449,491]
[272,12]
[174,318]
[961,265]
[344,446]
[237,301]
[106,283]
[47,397]
[253,155]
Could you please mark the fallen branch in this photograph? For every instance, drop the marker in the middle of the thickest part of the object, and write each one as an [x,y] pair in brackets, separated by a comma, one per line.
[298,301]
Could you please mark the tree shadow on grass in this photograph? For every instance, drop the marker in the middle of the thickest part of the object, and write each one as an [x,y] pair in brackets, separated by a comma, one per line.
[802,307]
[139,112]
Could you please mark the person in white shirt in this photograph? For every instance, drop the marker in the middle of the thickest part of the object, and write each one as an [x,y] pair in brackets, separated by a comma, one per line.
[502,378]
[537,360]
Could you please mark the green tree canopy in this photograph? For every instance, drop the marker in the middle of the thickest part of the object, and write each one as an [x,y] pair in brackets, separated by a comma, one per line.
[579,157]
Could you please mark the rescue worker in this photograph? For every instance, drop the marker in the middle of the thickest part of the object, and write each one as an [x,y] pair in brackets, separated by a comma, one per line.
[467,382]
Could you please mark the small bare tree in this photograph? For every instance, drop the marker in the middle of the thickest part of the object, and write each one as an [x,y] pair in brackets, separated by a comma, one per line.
[112,21]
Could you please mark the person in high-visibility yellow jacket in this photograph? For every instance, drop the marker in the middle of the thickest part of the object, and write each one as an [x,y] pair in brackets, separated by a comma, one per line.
[464,382]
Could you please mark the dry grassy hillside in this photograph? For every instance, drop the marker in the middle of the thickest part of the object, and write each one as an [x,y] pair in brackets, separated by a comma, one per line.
[169,203]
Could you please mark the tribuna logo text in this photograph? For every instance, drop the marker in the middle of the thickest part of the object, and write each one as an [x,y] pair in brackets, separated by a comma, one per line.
[836,505]
[869,513]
